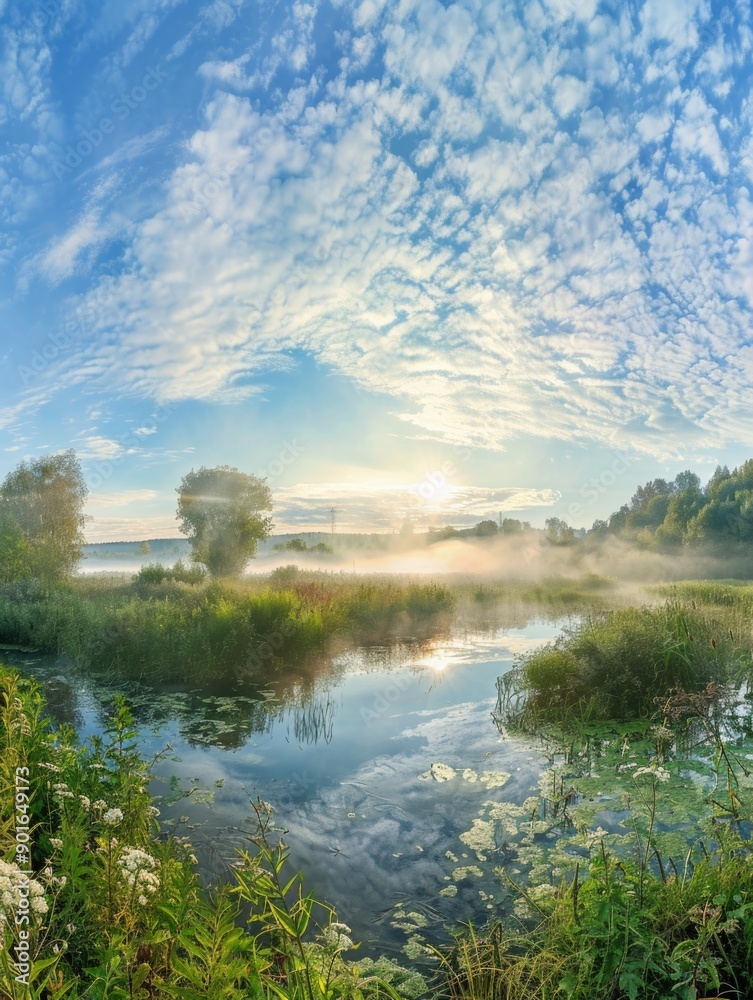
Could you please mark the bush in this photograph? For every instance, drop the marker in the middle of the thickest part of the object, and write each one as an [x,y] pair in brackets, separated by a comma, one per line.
[616,664]
[156,573]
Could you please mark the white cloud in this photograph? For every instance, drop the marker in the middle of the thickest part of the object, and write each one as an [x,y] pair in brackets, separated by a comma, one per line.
[124,498]
[435,231]
[381,506]
[94,447]
[61,259]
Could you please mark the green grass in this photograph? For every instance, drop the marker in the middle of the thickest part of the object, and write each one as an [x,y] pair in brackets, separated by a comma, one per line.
[621,664]
[162,628]
[175,625]
[554,591]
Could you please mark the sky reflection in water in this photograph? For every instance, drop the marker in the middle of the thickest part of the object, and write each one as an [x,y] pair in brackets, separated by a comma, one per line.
[344,757]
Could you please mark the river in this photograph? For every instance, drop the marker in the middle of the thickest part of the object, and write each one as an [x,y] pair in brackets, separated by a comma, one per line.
[376,762]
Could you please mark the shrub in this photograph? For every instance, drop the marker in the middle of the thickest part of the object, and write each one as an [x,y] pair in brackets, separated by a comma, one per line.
[618,663]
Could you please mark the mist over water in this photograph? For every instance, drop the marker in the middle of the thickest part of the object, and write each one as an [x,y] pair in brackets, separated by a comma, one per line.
[527,557]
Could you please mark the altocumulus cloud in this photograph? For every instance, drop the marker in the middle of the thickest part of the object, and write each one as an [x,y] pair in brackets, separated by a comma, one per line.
[514,218]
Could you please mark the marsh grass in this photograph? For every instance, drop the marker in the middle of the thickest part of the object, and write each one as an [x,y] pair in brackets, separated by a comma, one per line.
[621,931]
[647,911]
[166,625]
[175,625]
[118,910]
[617,664]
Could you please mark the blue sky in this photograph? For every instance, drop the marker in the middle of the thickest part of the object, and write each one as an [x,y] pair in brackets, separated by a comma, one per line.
[403,257]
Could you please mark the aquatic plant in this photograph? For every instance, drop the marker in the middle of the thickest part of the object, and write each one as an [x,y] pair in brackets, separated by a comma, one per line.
[648,913]
[616,664]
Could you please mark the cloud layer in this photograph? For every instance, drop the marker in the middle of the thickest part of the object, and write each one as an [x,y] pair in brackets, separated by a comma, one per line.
[513,220]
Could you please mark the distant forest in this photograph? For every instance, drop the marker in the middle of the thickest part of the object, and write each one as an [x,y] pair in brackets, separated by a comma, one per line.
[682,512]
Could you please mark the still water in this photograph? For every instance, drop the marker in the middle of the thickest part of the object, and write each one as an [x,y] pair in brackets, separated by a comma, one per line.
[377,762]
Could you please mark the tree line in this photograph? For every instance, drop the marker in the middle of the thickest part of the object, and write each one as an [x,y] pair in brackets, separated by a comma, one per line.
[225,514]
[682,512]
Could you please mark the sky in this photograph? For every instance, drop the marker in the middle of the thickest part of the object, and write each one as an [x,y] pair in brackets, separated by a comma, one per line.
[403,258]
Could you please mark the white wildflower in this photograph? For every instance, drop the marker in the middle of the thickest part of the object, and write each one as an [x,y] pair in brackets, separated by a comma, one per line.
[658,773]
[593,835]
[337,936]
[136,870]
[113,816]
[56,842]
[17,890]
[99,804]
[142,900]
[84,801]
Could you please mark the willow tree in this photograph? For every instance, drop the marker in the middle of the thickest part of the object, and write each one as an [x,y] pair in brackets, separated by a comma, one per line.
[43,516]
[221,512]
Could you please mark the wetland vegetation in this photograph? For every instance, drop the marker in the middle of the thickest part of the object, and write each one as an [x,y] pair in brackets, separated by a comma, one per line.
[624,870]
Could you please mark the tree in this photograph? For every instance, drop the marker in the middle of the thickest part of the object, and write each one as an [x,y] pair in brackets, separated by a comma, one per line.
[687,480]
[14,549]
[654,488]
[512,526]
[486,528]
[558,531]
[220,511]
[292,545]
[43,502]
[145,548]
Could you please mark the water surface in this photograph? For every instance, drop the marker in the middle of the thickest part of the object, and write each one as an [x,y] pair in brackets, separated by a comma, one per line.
[347,754]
